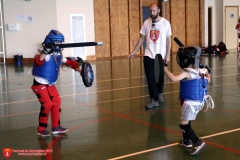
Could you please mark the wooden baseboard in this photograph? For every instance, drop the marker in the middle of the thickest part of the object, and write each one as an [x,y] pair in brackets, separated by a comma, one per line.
[30,60]
[24,61]
[89,58]
[118,57]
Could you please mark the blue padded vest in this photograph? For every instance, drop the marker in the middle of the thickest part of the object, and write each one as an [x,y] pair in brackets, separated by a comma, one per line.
[49,69]
[193,89]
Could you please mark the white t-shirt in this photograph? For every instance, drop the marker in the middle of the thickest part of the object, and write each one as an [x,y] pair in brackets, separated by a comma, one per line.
[194,72]
[156,38]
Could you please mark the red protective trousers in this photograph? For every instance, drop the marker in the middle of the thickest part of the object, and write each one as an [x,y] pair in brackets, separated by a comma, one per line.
[50,101]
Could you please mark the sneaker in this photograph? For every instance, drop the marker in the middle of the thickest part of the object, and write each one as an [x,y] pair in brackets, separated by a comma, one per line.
[197,147]
[152,104]
[58,130]
[160,96]
[43,133]
[185,143]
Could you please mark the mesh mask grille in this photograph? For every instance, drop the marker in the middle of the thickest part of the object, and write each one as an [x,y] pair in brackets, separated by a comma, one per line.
[184,59]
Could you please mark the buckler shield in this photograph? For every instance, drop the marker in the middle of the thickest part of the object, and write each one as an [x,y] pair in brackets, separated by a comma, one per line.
[7,152]
[87,74]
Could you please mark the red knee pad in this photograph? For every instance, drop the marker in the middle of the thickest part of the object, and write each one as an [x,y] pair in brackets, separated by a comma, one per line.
[42,93]
[54,96]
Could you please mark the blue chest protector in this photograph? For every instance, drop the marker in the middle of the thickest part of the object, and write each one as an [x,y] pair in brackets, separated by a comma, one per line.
[193,89]
[49,69]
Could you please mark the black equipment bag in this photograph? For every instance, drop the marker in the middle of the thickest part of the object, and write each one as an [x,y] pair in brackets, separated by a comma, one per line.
[222,47]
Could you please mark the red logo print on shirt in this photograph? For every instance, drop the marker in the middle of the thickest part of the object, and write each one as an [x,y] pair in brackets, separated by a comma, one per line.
[154,35]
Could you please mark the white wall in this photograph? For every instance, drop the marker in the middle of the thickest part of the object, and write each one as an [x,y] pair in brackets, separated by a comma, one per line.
[229,3]
[30,35]
[63,21]
[47,15]
[218,19]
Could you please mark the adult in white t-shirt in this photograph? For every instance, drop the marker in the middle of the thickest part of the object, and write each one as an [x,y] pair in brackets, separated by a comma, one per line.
[157,32]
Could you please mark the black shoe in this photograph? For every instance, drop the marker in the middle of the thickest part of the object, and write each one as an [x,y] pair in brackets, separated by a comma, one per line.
[58,130]
[43,133]
[185,143]
[197,147]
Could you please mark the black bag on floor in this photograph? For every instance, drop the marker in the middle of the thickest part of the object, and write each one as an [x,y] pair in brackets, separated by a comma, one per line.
[222,47]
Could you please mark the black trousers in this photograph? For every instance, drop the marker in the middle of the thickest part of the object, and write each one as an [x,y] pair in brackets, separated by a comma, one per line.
[153,89]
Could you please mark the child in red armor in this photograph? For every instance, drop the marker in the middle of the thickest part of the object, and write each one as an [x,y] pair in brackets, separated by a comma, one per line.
[237,27]
[45,71]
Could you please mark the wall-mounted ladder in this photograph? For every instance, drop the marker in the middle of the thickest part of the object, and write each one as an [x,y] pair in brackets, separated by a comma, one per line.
[2,49]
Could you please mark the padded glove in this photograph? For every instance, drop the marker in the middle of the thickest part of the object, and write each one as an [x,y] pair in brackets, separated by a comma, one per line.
[48,48]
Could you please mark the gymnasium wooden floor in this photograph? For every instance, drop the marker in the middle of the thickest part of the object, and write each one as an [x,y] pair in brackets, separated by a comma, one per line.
[109,121]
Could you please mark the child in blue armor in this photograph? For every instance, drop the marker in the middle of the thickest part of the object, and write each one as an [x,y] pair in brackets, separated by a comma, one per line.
[45,70]
[193,94]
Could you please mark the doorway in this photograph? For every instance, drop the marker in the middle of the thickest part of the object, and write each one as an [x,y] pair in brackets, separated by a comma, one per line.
[231,18]
[209,26]
[145,15]
[2,47]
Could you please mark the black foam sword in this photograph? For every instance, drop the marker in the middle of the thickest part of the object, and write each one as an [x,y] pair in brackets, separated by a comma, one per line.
[81,44]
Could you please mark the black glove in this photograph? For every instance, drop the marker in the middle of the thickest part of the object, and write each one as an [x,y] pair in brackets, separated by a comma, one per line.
[79,60]
[209,70]
[49,45]
[48,48]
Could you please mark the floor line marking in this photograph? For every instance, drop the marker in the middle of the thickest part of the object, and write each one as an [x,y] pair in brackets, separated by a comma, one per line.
[117,79]
[51,143]
[97,103]
[145,151]
[22,113]
[112,90]
[221,133]
[166,129]
[170,145]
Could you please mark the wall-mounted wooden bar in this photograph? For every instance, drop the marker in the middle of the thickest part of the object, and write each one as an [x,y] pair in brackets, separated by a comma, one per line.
[177,8]
[119,27]
[102,27]
[134,24]
[192,22]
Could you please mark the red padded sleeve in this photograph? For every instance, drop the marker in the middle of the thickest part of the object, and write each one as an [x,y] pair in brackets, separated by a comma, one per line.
[181,102]
[238,26]
[72,63]
[37,60]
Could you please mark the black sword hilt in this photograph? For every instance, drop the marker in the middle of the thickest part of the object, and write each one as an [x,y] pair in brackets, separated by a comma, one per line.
[178,42]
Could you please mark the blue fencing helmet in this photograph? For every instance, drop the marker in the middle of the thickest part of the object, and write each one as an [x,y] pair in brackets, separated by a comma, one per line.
[54,36]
